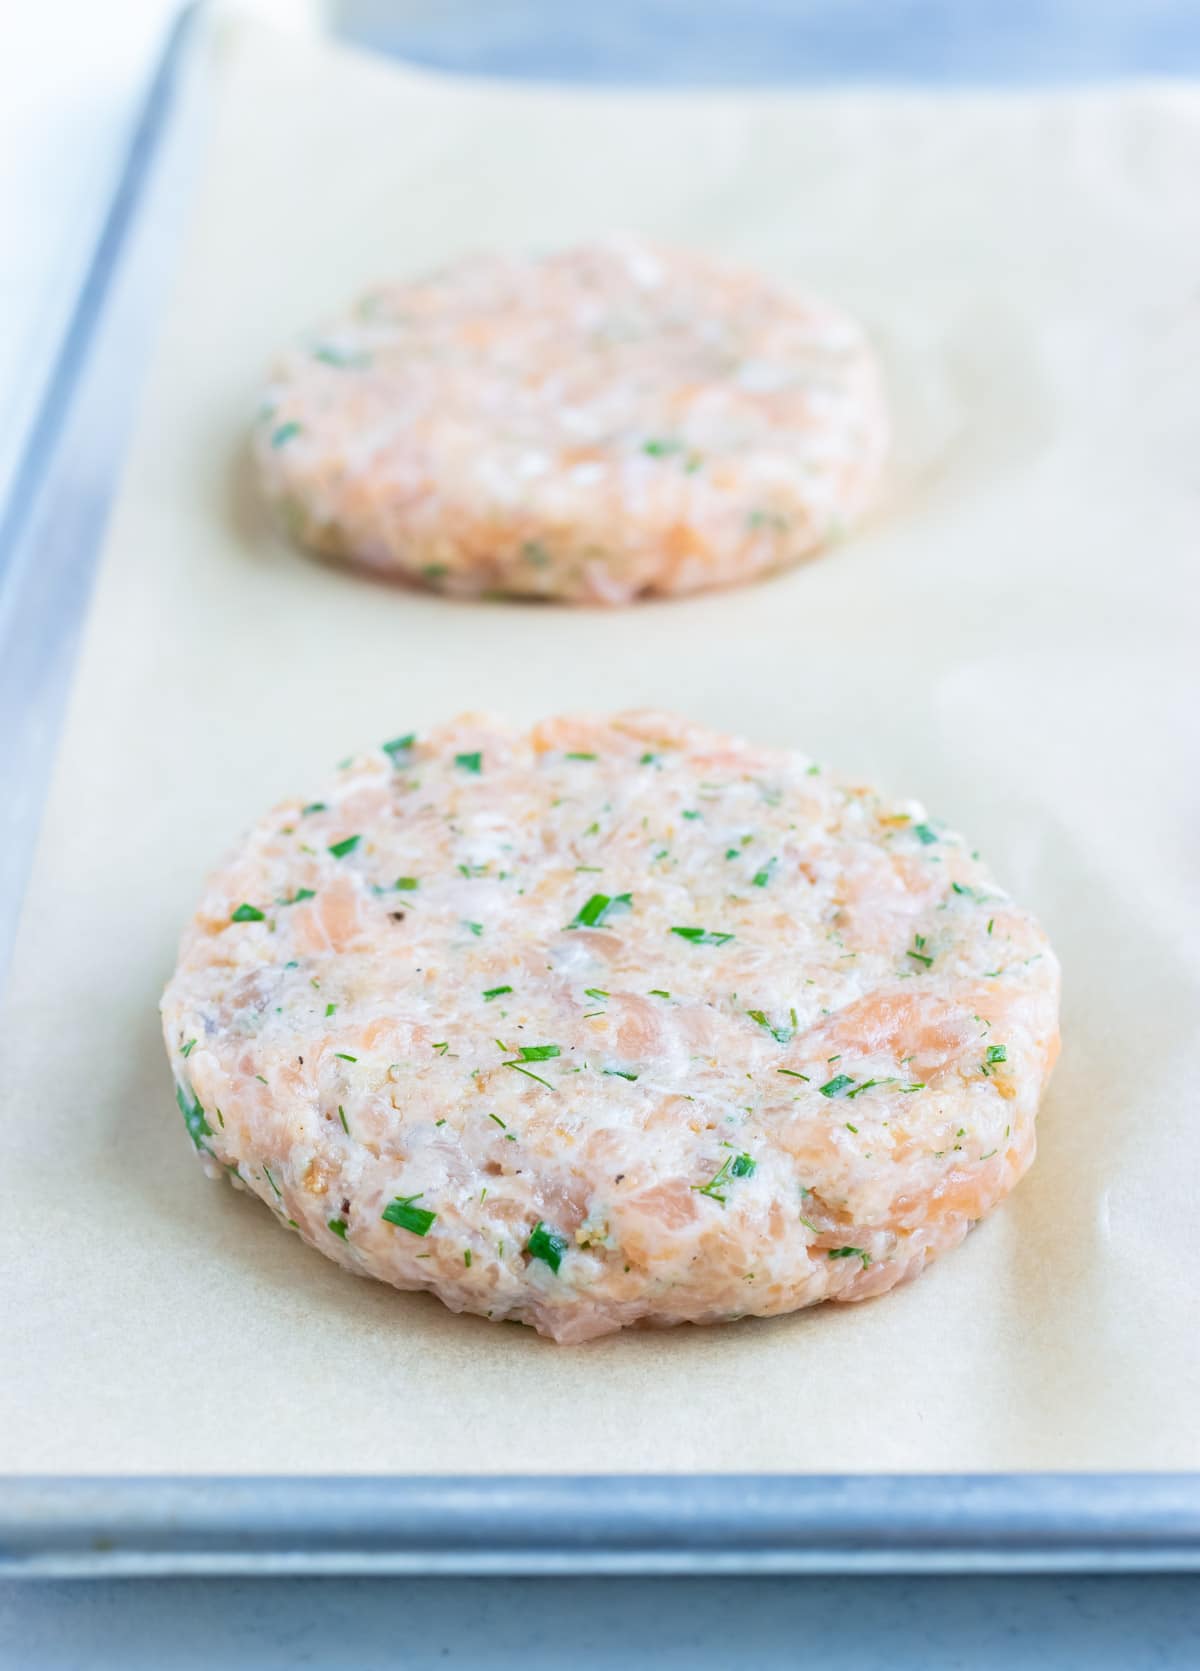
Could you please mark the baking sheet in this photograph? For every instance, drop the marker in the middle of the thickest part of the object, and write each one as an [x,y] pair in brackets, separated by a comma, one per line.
[1012,639]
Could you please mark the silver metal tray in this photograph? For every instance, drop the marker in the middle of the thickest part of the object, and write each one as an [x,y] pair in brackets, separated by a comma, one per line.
[49,537]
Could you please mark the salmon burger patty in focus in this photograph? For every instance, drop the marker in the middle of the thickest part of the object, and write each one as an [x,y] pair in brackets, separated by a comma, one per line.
[602,423]
[613,1021]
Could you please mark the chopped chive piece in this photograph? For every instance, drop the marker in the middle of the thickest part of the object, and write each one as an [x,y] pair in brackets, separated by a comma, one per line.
[744,1166]
[339,1227]
[849,1127]
[851,1253]
[996,1053]
[657,992]
[342,1118]
[792,1074]
[300,894]
[547,1245]
[495,992]
[442,1046]
[594,992]
[763,876]
[618,1073]
[399,745]
[329,1009]
[467,1257]
[733,853]
[924,834]
[247,914]
[539,1052]
[662,449]
[713,1187]
[402,1212]
[406,884]
[285,433]
[920,957]
[702,936]
[188,1048]
[470,762]
[648,759]
[593,912]
[271,1181]
[577,754]
[193,1116]
[835,1086]
[781,1035]
[498,1121]
[475,928]
[691,815]
[339,849]
[342,1056]
[313,806]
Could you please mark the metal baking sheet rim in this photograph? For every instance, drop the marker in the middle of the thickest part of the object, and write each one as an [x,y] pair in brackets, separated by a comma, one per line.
[53,1526]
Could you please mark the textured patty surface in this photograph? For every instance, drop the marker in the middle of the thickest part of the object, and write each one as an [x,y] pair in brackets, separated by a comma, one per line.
[606,422]
[615,1021]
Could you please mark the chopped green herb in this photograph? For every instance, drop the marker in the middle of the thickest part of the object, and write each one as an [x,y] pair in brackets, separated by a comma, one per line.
[300,894]
[339,849]
[991,924]
[618,1073]
[402,1212]
[763,876]
[339,1227]
[247,914]
[648,759]
[849,1127]
[285,433]
[744,1167]
[996,1053]
[593,913]
[924,834]
[836,1086]
[579,754]
[715,1184]
[475,928]
[547,1245]
[470,762]
[193,1116]
[781,1035]
[313,806]
[702,936]
[657,992]
[400,745]
[495,992]
[442,1046]
[691,815]
[188,1048]
[342,1118]
[792,1074]
[329,1009]
[342,1056]
[594,992]
[733,853]
[467,1257]
[498,1121]
[406,884]
[539,1052]
[851,1253]
[271,1181]
[918,955]
[662,449]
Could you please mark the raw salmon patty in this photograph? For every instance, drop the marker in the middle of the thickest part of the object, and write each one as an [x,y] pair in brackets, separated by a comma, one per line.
[602,423]
[611,1022]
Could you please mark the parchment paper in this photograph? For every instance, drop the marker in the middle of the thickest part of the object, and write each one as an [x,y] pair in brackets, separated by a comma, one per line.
[1014,639]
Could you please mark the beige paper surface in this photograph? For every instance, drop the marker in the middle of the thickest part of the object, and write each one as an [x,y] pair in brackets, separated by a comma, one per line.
[1014,639]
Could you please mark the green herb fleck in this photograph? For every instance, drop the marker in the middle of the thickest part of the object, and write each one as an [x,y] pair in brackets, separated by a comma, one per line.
[402,1212]
[657,992]
[285,433]
[547,1245]
[339,1227]
[836,1086]
[313,806]
[539,1052]
[271,1181]
[792,1074]
[744,1167]
[996,1053]
[594,911]
[342,1056]
[851,1253]
[467,1257]
[475,928]
[594,992]
[702,936]
[399,745]
[247,914]
[924,834]
[662,449]
[188,1048]
[339,849]
[470,762]
[342,1118]
[579,754]
[193,1116]
[495,992]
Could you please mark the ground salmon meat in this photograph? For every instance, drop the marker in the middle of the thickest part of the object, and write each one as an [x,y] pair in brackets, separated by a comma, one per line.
[614,1021]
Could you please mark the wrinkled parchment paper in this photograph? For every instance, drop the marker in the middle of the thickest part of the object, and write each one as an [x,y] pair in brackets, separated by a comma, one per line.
[1013,638]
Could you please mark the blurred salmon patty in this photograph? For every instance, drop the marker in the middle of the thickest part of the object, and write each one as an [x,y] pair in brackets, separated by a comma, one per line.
[606,422]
